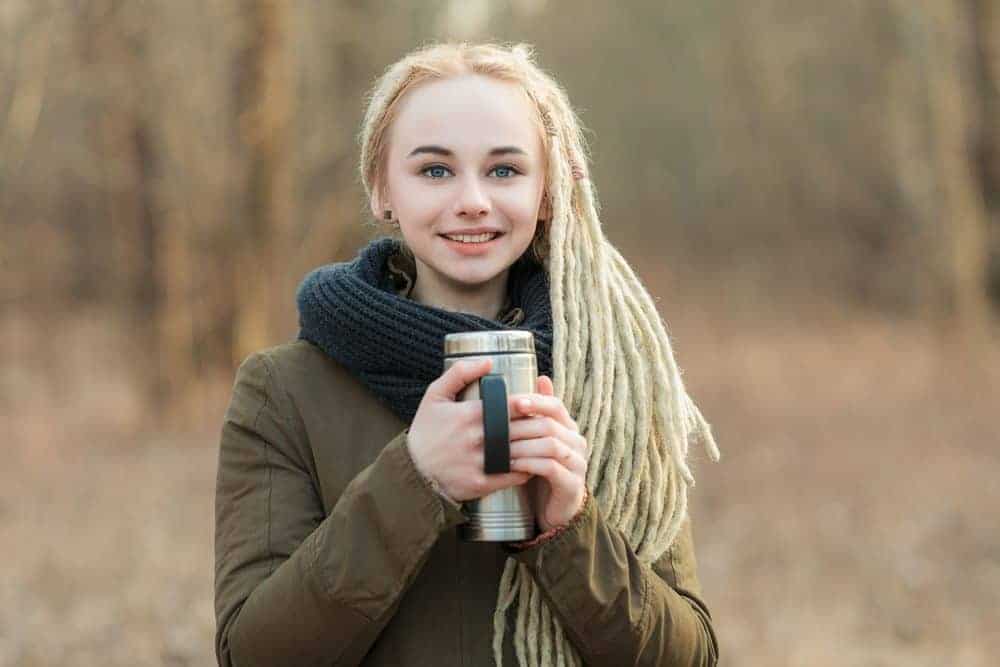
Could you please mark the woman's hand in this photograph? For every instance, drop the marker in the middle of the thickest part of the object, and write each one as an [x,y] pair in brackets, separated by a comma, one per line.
[545,441]
[446,438]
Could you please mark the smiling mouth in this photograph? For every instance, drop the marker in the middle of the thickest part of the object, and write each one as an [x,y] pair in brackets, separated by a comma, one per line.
[472,239]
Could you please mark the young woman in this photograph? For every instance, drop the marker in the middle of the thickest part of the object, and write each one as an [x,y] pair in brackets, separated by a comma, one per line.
[345,456]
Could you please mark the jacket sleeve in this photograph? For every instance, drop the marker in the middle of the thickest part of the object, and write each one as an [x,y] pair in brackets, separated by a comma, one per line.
[292,586]
[616,610]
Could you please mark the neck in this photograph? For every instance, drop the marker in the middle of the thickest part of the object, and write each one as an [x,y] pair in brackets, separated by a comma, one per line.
[483,300]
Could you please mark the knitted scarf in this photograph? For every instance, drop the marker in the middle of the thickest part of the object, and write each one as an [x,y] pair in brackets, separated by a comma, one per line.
[395,345]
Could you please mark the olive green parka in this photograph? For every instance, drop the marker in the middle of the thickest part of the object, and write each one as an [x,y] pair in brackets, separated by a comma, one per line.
[332,549]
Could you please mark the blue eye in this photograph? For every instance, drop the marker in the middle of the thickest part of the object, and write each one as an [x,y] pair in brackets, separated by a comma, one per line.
[506,168]
[435,171]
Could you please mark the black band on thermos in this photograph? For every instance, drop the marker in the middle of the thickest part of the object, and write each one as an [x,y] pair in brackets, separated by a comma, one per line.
[493,390]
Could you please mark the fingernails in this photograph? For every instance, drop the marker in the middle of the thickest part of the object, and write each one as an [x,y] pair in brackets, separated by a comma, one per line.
[524,403]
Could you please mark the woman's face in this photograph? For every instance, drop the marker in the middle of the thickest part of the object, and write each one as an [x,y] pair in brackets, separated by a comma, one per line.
[464,157]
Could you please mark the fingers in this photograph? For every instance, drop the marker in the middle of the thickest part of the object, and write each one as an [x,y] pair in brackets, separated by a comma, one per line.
[541,427]
[560,478]
[487,484]
[545,386]
[550,448]
[528,405]
[458,377]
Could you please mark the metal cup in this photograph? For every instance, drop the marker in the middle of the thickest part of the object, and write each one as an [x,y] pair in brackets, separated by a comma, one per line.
[505,515]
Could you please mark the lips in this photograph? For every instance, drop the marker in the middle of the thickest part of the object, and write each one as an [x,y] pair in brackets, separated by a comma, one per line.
[471,248]
[494,236]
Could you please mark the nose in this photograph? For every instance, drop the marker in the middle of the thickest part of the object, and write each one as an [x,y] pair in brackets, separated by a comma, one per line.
[472,202]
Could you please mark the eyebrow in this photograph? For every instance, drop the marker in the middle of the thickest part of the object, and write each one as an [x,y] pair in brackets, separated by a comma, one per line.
[441,150]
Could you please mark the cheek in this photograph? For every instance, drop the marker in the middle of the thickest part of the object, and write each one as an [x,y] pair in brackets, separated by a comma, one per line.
[415,201]
[520,204]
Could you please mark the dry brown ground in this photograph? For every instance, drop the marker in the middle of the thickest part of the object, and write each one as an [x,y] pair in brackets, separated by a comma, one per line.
[851,521]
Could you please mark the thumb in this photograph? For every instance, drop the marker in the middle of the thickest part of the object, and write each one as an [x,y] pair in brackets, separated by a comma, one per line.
[458,377]
[545,386]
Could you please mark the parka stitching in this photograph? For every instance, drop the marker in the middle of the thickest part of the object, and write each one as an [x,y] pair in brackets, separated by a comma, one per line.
[280,414]
[411,569]
[297,429]
[267,466]
[313,543]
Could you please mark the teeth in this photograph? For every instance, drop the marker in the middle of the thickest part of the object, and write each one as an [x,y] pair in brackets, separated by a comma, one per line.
[473,238]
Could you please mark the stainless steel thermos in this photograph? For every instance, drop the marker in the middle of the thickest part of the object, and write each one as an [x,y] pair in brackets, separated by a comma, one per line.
[505,515]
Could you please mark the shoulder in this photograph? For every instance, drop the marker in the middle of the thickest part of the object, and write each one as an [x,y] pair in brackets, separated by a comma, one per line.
[289,354]
[290,386]
[307,383]
[314,409]
[290,363]
[284,376]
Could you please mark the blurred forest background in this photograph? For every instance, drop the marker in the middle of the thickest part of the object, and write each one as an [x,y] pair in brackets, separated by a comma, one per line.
[810,189]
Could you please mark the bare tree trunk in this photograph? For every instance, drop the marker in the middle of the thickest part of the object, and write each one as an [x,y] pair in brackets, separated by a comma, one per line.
[176,321]
[954,117]
[986,23]
[137,230]
[263,291]
[147,278]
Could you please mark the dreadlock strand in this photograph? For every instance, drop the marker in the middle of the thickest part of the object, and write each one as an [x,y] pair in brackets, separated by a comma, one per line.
[532,630]
[619,468]
[560,659]
[547,652]
[506,594]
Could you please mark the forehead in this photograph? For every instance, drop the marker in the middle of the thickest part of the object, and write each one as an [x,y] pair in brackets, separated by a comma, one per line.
[466,112]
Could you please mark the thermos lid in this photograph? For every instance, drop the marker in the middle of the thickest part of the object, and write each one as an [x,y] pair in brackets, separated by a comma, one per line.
[488,342]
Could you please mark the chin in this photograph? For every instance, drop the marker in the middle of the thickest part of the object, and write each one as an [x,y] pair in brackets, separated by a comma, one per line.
[473,278]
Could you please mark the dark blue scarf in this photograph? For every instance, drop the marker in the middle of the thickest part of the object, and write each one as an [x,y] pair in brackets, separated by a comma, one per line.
[394,345]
